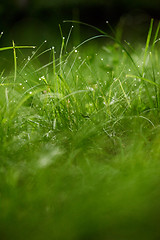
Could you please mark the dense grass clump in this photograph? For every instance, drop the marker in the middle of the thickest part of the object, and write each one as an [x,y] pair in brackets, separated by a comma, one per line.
[79,135]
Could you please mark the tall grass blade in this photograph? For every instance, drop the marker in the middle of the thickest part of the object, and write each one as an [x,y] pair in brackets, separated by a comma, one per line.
[125,95]
[155,37]
[61,50]
[69,34]
[147,46]
[54,63]
[15,61]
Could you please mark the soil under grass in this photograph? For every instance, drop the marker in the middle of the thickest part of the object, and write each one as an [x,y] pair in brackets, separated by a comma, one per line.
[79,135]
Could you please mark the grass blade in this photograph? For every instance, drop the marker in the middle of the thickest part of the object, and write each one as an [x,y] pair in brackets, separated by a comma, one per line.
[147,46]
[110,37]
[15,61]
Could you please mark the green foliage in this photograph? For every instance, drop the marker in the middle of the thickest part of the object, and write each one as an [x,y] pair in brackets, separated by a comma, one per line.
[79,135]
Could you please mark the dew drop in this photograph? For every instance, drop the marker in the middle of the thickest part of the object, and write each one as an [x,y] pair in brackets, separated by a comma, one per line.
[75,51]
[30,92]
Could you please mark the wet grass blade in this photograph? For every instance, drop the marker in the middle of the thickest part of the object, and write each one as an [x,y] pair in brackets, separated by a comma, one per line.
[15,62]
[16,47]
[147,46]
[110,37]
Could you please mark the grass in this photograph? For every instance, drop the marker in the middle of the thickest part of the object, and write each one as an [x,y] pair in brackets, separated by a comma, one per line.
[79,135]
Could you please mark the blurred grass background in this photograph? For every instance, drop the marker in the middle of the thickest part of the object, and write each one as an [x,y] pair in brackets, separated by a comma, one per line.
[31,22]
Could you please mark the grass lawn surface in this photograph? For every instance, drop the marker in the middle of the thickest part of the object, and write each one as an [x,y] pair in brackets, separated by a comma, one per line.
[80,140]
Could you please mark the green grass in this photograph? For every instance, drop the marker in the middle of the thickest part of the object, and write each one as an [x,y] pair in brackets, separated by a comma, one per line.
[79,141]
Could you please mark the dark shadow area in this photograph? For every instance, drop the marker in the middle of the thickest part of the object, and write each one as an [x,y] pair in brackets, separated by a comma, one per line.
[32,22]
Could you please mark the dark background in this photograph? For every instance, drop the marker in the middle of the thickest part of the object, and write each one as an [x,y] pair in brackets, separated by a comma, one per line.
[31,22]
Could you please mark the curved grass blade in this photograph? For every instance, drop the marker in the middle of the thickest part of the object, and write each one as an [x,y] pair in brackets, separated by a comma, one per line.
[108,36]
[31,58]
[155,37]
[28,94]
[144,79]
